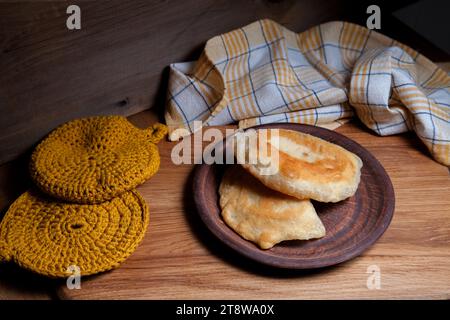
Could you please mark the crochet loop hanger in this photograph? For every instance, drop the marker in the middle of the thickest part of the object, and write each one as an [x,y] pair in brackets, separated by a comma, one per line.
[156,132]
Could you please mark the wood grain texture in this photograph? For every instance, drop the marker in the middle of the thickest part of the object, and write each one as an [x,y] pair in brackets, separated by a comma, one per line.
[352,225]
[116,63]
[180,258]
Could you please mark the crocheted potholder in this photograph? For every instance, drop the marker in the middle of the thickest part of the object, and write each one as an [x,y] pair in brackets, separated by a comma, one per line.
[94,159]
[53,238]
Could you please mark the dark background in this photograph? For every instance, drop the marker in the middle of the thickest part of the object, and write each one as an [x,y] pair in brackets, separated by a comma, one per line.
[116,63]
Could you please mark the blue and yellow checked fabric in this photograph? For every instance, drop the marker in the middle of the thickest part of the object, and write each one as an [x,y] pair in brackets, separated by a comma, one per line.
[265,73]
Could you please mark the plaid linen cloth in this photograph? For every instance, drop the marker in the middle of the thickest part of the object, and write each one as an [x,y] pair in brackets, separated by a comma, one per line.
[265,73]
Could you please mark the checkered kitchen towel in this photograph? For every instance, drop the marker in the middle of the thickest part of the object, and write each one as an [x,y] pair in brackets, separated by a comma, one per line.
[265,73]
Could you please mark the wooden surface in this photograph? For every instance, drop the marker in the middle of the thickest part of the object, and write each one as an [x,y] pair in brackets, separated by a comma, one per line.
[180,258]
[413,253]
[117,63]
[351,225]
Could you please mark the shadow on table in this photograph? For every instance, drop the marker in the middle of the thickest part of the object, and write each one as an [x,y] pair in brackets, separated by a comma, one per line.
[20,284]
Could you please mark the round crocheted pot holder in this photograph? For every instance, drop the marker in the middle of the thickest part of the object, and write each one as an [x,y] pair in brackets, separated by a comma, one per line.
[94,159]
[53,238]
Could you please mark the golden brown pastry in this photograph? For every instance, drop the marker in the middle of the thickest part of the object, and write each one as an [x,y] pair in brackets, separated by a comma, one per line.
[308,167]
[264,216]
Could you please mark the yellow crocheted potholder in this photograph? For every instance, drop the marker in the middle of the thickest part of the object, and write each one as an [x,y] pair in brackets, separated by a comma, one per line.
[52,238]
[94,159]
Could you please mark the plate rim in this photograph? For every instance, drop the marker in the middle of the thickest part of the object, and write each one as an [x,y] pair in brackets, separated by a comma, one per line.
[284,262]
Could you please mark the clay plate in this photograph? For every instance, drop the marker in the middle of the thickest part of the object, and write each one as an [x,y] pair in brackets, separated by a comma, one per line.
[352,225]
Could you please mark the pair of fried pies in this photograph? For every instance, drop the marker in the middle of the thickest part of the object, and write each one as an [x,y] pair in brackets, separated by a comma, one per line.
[270,208]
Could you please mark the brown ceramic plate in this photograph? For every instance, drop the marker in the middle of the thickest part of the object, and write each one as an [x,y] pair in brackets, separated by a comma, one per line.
[352,225]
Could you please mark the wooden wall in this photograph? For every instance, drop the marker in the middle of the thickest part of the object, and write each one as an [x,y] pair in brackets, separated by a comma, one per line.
[116,63]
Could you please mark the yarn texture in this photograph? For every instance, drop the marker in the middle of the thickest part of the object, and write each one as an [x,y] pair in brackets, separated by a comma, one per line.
[48,236]
[95,159]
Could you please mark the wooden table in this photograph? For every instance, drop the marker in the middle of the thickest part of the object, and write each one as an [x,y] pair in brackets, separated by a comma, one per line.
[180,259]
[114,65]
